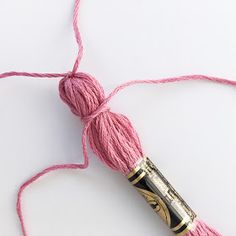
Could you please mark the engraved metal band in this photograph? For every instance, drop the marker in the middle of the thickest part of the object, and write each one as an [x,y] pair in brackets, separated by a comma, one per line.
[162,197]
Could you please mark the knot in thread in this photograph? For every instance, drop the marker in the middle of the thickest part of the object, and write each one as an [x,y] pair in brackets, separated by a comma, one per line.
[84,95]
[101,109]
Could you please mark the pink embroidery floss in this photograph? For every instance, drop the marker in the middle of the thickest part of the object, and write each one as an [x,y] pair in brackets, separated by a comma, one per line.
[114,140]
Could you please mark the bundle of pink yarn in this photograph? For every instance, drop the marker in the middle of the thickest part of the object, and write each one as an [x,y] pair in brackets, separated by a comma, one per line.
[111,136]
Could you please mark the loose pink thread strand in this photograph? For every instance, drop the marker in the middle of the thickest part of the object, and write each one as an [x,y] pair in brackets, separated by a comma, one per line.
[101,108]
[35,178]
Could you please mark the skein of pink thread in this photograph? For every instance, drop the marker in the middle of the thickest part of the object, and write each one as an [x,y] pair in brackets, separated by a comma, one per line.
[111,136]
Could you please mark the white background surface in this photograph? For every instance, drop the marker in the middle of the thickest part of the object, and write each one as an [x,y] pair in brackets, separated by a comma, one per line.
[187,129]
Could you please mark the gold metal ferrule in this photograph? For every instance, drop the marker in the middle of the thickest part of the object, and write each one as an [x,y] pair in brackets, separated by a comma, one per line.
[162,197]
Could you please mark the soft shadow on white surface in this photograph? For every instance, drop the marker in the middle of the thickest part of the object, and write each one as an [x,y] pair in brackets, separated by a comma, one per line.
[187,129]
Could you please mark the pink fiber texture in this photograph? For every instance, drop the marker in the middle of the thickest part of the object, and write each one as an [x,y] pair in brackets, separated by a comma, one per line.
[201,229]
[111,136]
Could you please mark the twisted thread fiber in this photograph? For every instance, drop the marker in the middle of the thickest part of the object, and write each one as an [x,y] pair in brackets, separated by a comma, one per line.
[201,229]
[111,136]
